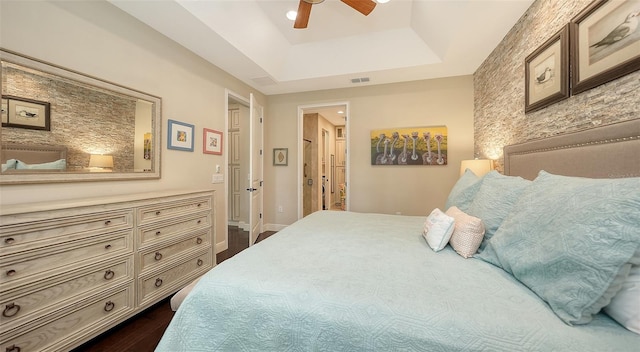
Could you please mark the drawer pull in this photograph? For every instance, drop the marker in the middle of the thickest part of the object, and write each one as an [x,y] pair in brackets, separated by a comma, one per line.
[109,274]
[109,306]
[199,240]
[9,240]
[11,272]
[158,256]
[157,212]
[157,233]
[158,282]
[13,348]
[107,246]
[10,310]
[200,262]
[107,223]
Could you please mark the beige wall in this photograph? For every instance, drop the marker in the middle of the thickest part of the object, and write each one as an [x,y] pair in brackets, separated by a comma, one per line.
[98,39]
[499,88]
[409,190]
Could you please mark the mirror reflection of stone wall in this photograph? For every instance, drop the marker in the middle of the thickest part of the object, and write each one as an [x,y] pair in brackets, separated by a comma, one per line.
[86,121]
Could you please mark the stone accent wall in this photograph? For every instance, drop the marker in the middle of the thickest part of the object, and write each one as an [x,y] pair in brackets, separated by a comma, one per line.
[499,88]
[85,120]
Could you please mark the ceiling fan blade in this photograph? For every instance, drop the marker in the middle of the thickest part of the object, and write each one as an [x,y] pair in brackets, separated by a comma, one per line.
[302,19]
[363,6]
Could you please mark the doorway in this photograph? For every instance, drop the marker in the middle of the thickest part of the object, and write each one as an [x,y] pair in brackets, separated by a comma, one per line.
[322,150]
[244,163]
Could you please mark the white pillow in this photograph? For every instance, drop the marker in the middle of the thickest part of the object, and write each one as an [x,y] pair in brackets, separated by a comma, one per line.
[468,232]
[59,164]
[438,229]
[625,305]
[9,165]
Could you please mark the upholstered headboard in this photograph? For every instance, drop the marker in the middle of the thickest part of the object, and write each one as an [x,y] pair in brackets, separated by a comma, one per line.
[610,151]
[33,153]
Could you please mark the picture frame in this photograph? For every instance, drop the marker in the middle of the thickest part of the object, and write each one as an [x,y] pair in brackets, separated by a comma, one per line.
[180,136]
[410,146]
[26,113]
[4,111]
[601,49]
[547,72]
[211,141]
[280,156]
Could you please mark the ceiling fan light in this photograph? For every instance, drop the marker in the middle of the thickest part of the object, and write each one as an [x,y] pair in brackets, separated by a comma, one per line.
[382,1]
[313,1]
[291,15]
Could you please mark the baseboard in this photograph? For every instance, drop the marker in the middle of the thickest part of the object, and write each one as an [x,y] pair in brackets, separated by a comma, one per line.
[221,246]
[274,227]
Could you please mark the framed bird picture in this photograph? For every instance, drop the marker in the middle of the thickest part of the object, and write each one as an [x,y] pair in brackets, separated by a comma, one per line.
[605,43]
[547,72]
[26,113]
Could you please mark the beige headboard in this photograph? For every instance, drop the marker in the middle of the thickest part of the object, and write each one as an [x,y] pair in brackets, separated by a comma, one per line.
[33,153]
[610,151]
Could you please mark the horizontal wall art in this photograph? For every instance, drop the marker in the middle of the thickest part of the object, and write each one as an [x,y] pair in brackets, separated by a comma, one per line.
[605,43]
[409,146]
[26,113]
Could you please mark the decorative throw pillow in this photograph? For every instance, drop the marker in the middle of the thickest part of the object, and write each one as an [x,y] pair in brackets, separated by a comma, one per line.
[464,191]
[60,164]
[467,234]
[570,240]
[438,229]
[495,199]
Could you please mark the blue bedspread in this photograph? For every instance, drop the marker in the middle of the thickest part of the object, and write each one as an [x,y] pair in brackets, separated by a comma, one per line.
[341,281]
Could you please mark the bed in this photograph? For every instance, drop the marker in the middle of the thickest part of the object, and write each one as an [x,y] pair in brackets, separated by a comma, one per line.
[542,277]
[25,157]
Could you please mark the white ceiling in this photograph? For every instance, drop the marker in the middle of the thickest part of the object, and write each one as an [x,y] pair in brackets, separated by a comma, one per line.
[403,40]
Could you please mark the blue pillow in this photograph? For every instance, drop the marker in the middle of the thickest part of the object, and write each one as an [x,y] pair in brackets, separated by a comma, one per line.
[464,191]
[494,201]
[9,165]
[60,164]
[571,241]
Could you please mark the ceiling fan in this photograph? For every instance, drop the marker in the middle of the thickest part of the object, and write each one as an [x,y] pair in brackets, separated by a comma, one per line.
[304,9]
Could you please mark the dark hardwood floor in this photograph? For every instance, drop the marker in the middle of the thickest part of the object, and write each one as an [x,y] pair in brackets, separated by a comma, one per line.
[143,332]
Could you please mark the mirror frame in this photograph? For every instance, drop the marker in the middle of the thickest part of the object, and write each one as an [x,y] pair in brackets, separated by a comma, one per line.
[56,177]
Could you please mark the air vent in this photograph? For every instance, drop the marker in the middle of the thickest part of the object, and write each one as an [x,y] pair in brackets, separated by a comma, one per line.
[264,81]
[360,80]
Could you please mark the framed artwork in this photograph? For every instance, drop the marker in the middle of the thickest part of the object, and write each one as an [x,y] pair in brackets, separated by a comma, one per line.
[409,146]
[547,72]
[147,146]
[180,136]
[211,141]
[5,111]
[26,113]
[280,156]
[605,43]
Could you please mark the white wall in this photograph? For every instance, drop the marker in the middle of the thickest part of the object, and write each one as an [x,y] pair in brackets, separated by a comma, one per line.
[96,38]
[411,190]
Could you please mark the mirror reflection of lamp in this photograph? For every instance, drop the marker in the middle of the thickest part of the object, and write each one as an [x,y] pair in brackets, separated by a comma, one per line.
[100,163]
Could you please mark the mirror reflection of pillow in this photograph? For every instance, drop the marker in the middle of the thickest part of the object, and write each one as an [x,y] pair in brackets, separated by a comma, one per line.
[60,164]
[9,165]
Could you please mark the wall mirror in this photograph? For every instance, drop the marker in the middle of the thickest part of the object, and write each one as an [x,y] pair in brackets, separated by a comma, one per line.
[59,125]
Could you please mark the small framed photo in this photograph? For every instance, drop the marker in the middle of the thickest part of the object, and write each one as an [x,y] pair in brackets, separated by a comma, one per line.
[26,113]
[280,156]
[605,44]
[211,141]
[180,136]
[547,72]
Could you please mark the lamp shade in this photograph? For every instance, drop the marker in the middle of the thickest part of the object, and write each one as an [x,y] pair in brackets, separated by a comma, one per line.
[478,166]
[103,161]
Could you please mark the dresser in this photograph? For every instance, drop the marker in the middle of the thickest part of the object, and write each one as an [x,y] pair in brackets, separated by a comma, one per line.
[71,270]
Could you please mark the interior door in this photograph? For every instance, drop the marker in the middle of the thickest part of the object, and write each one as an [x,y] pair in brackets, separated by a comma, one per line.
[255,170]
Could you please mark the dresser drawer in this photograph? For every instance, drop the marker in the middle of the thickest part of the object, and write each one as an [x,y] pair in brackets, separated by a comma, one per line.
[38,265]
[30,301]
[16,237]
[155,286]
[152,258]
[159,212]
[81,320]
[155,233]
